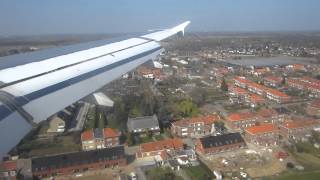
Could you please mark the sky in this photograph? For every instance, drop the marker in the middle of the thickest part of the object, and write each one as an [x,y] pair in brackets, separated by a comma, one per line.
[38,17]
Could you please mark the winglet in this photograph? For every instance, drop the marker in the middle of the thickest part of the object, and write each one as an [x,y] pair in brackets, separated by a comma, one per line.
[181,27]
[160,35]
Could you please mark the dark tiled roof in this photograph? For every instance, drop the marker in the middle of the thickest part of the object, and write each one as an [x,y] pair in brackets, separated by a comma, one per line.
[145,122]
[77,158]
[221,140]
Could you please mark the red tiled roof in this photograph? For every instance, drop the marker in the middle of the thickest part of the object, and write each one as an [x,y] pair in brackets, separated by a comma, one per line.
[264,128]
[267,112]
[273,79]
[209,119]
[315,103]
[277,93]
[239,90]
[242,80]
[240,116]
[254,98]
[299,123]
[256,86]
[8,165]
[87,135]
[110,133]
[175,143]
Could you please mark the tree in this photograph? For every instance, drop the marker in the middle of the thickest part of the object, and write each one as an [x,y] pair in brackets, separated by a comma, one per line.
[130,139]
[224,85]
[290,165]
[187,108]
[135,112]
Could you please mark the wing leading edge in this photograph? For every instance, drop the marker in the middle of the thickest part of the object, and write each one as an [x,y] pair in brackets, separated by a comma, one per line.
[32,92]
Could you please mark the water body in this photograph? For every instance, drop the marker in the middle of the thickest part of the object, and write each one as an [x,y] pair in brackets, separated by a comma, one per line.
[271,61]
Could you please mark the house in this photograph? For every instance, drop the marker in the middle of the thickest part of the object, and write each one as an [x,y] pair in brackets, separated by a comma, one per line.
[221,143]
[194,127]
[273,81]
[8,170]
[56,125]
[296,67]
[277,96]
[159,148]
[297,129]
[241,120]
[247,119]
[270,116]
[111,137]
[99,138]
[256,88]
[271,94]
[264,134]
[78,162]
[141,125]
[305,83]
[88,140]
[254,100]
[237,94]
[313,108]
[241,82]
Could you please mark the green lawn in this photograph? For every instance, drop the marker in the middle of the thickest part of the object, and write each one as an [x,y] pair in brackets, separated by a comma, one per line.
[309,158]
[162,174]
[61,144]
[146,139]
[297,176]
[158,137]
[198,172]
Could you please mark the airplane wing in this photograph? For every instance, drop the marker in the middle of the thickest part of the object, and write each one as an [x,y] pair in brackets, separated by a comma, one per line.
[34,86]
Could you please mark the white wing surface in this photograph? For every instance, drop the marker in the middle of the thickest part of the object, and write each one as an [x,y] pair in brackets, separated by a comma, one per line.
[34,86]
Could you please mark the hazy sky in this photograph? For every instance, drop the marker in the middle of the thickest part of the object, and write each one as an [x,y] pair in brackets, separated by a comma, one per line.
[25,17]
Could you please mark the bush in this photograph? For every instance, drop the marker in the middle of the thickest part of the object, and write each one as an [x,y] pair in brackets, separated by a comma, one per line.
[290,165]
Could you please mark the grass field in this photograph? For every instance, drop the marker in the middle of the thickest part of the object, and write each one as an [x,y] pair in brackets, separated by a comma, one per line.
[197,173]
[61,144]
[309,158]
[297,176]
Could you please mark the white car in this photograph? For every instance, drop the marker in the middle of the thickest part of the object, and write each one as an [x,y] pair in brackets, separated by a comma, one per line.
[133,176]
[243,174]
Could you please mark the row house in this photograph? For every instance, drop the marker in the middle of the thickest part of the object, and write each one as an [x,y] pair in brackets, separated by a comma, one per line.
[218,144]
[313,108]
[297,129]
[277,96]
[247,119]
[253,100]
[8,170]
[271,94]
[194,127]
[296,67]
[305,83]
[264,134]
[237,94]
[273,81]
[256,88]
[270,116]
[241,120]
[99,138]
[78,162]
[241,81]
[159,148]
